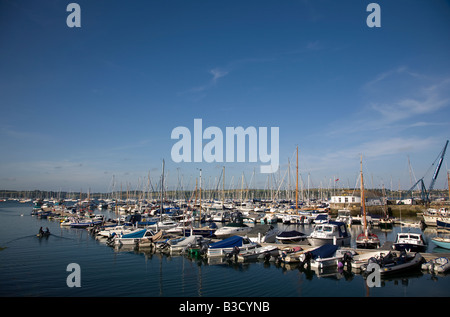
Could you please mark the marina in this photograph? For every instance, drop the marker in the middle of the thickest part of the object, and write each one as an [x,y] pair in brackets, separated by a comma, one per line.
[36,266]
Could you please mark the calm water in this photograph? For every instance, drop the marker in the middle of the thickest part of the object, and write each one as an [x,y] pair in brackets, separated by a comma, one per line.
[37,267]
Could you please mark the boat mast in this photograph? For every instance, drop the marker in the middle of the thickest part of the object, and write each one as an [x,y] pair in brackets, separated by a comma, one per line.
[296,186]
[448,184]
[223,187]
[363,201]
[162,189]
[200,194]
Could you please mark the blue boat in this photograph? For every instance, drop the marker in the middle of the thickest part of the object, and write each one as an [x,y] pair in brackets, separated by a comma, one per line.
[442,224]
[324,251]
[227,246]
[132,238]
[441,242]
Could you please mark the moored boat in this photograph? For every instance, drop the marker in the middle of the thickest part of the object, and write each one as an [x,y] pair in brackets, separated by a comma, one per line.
[441,242]
[442,223]
[231,229]
[290,237]
[330,233]
[437,265]
[367,240]
[393,263]
[229,245]
[409,241]
[267,253]
[321,257]
[262,234]
[131,238]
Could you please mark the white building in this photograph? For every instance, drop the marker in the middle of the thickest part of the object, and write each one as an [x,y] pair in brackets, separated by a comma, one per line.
[345,199]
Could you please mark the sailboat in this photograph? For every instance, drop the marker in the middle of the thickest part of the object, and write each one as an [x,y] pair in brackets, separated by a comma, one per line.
[386,222]
[366,240]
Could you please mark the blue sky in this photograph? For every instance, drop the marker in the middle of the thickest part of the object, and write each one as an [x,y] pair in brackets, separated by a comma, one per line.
[80,105]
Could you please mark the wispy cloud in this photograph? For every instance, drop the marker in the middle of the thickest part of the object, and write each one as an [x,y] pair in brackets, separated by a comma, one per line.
[216,74]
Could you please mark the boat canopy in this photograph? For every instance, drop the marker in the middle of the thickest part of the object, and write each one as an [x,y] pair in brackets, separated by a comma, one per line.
[290,234]
[234,241]
[136,234]
[324,251]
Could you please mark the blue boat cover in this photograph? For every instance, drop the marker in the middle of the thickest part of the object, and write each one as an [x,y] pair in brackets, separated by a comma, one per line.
[290,234]
[324,251]
[136,234]
[228,243]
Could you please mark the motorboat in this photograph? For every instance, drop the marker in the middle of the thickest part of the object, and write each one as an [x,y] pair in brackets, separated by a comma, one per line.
[205,231]
[321,257]
[330,233]
[120,229]
[232,228]
[290,237]
[164,224]
[355,260]
[269,218]
[293,219]
[131,238]
[437,265]
[188,242]
[263,234]
[344,215]
[441,242]
[393,263]
[266,253]
[411,242]
[431,215]
[442,223]
[321,218]
[291,255]
[233,244]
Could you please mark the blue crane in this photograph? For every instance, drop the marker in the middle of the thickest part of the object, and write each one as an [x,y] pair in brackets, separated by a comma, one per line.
[425,194]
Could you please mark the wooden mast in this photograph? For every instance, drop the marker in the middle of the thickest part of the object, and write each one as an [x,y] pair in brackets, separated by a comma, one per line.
[363,200]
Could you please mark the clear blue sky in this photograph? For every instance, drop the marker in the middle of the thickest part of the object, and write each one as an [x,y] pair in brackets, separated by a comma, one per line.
[79,105]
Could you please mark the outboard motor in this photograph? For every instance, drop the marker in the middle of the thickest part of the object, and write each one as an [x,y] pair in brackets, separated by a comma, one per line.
[305,258]
[346,260]
[234,253]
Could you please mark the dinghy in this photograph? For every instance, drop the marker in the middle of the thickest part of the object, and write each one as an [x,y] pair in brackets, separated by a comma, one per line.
[393,263]
[438,265]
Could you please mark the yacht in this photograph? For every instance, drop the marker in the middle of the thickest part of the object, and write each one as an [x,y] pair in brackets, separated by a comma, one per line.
[231,229]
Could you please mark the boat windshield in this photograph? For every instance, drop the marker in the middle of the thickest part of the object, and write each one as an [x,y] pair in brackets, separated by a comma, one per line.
[327,229]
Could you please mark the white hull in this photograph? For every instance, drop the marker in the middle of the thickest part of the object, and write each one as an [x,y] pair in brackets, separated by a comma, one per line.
[317,242]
